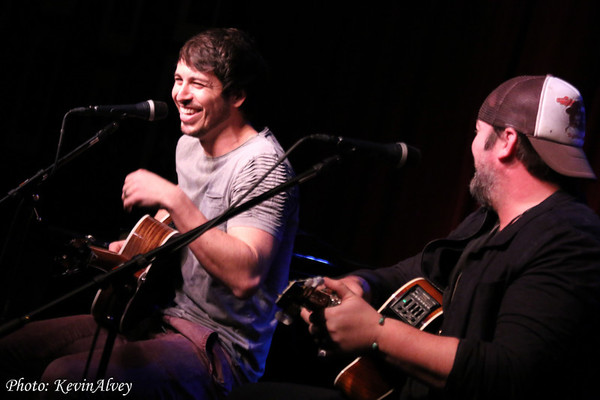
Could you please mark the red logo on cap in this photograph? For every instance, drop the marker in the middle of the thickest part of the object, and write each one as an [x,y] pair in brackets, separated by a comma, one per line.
[565,101]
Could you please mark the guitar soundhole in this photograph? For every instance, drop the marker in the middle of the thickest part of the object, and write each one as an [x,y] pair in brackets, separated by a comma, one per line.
[414,306]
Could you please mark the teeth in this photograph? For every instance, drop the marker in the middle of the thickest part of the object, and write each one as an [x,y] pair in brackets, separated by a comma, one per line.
[187,111]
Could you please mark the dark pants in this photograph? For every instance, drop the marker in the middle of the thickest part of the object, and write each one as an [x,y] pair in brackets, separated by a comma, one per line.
[47,359]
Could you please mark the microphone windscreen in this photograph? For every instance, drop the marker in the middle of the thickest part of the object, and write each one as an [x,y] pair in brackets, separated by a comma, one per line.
[161,110]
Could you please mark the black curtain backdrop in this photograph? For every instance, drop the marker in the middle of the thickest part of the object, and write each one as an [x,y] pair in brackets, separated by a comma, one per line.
[382,71]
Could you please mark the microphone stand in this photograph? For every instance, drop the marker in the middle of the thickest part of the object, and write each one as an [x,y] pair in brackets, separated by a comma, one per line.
[20,193]
[174,244]
[43,174]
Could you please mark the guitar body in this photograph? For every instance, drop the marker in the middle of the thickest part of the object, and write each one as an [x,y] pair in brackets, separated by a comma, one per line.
[418,304]
[125,302]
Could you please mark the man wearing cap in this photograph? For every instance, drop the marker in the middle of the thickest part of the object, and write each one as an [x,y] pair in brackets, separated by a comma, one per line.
[520,276]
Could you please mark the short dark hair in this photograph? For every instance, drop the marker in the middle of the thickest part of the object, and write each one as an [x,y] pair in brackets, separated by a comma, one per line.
[231,55]
[531,160]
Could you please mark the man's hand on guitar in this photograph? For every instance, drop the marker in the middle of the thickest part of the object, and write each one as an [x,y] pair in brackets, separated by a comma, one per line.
[116,246]
[146,189]
[358,286]
[351,326]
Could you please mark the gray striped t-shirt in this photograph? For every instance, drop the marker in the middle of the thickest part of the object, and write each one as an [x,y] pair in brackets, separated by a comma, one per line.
[245,327]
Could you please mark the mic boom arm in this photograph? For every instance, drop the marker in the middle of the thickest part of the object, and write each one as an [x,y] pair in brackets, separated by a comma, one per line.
[43,174]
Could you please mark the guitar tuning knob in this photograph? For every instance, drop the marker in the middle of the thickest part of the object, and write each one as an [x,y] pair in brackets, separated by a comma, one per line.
[313,282]
[284,318]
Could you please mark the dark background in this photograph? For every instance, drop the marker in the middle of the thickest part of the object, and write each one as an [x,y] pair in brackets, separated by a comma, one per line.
[382,71]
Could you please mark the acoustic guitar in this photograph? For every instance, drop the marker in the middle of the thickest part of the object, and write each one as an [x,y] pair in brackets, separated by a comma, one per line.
[127,300]
[417,303]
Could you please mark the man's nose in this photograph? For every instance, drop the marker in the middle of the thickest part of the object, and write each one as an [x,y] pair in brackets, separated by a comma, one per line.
[183,93]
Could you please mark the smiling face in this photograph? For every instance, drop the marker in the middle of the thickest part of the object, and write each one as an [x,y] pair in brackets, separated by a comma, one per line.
[203,110]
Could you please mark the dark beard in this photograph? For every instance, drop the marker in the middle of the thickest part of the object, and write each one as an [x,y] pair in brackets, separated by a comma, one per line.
[481,186]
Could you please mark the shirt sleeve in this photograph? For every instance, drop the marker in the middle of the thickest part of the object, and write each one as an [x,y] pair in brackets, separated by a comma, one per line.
[271,214]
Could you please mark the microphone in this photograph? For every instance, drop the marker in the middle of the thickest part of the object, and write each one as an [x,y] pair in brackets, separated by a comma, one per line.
[148,110]
[401,153]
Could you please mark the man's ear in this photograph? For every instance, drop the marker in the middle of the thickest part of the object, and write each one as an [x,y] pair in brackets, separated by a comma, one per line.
[507,144]
[238,99]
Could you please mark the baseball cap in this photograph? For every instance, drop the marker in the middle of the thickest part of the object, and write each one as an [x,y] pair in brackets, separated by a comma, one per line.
[550,112]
